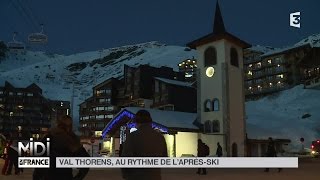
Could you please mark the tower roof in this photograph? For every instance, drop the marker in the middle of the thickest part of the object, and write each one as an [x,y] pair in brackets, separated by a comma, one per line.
[219,32]
[218,25]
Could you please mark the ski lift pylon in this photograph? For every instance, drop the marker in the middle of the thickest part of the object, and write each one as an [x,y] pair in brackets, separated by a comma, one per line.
[15,45]
[39,38]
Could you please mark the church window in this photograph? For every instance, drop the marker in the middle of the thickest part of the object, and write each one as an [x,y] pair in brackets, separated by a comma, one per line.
[210,57]
[207,105]
[208,127]
[234,57]
[215,104]
[216,126]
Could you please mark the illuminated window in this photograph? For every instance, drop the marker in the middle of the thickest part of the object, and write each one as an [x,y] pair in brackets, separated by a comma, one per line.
[250,65]
[11,114]
[280,76]
[278,65]
[259,65]
[189,60]
[250,73]
[30,94]
[180,64]
[269,61]
[1,92]
[270,84]
[250,88]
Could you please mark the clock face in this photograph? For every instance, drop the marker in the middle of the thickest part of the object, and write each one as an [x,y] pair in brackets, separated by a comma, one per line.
[210,71]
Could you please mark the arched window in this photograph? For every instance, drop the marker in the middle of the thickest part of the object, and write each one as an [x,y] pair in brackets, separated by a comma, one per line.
[216,126]
[207,105]
[208,127]
[215,104]
[234,57]
[210,57]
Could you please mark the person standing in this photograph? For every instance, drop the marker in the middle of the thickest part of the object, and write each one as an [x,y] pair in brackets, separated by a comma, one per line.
[6,158]
[203,151]
[271,152]
[13,158]
[219,150]
[144,142]
[63,143]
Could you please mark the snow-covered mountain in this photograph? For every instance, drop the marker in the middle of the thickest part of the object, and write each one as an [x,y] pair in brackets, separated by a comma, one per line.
[279,115]
[60,76]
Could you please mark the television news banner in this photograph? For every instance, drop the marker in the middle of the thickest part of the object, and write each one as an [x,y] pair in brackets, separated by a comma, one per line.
[38,160]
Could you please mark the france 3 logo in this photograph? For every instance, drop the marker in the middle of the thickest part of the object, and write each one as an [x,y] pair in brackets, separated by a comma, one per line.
[295,19]
[34,154]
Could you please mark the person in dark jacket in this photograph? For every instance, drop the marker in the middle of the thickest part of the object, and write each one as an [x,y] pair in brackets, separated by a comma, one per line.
[271,152]
[144,142]
[63,143]
[13,159]
[6,158]
[201,153]
[219,150]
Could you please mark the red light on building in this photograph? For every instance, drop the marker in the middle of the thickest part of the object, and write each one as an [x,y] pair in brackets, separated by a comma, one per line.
[312,146]
[318,141]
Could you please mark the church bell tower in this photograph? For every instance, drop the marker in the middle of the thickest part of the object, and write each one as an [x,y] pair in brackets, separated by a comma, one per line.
[220,89]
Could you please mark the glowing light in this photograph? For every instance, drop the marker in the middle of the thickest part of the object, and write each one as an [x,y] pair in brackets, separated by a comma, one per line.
[278,65]
[210,71]
[180,64]
[129,115]
[269,61]
[250,73]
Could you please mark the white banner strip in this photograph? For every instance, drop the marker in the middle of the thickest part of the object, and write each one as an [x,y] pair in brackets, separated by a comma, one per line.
[193,162]
[33,162]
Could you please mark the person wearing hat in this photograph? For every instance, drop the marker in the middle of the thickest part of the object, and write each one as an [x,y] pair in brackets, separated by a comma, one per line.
[145,142]
[63,143]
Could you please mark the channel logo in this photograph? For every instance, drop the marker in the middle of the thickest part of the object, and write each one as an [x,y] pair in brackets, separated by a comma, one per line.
[295,19]
[36,159]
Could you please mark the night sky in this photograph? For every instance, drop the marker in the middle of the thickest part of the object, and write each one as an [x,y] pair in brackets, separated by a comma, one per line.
[83,25]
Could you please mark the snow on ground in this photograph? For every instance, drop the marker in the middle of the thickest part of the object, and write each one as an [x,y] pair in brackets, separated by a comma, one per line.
[280,116]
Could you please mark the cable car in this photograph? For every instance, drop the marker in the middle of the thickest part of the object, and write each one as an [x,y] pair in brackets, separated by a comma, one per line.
[40,37]
[15,45]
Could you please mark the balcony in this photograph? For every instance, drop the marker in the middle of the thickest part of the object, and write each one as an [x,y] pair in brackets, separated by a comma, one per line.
[312,83]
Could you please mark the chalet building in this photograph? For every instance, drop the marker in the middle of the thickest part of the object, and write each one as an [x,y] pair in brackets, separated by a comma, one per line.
[278,70]
[138,84]
[99,109]
[25,112]
[173,95]
[188,68]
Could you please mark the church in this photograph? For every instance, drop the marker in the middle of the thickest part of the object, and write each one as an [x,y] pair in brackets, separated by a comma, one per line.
[220,113]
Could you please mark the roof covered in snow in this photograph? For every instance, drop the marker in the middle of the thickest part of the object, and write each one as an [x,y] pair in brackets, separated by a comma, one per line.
[283,50]
[174,82]
[262,49]
[170,119]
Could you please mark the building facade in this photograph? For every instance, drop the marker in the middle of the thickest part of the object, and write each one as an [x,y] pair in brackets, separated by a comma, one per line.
[99,109]
[24,112]
[173,95]
[277,70]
